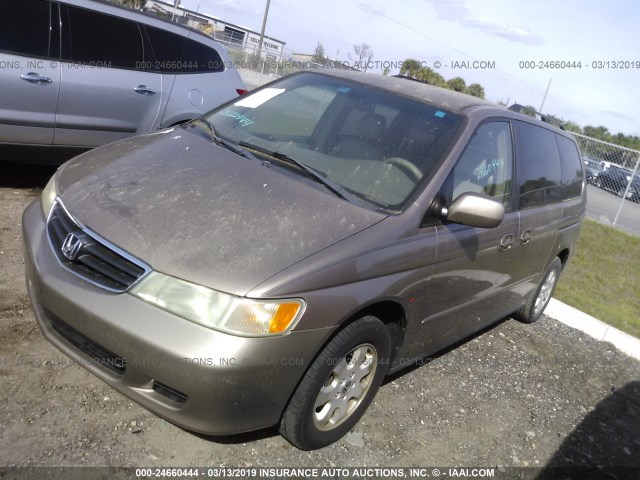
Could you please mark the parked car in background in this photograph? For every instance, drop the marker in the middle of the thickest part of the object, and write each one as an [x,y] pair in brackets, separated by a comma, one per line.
[592,168]
[270,262]
[77,74]
[616,179]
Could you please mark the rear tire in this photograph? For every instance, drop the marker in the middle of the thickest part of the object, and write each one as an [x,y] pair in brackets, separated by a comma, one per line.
[339,385]
[539,298]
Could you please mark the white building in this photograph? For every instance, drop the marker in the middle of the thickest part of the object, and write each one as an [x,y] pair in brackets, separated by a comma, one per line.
[233,36]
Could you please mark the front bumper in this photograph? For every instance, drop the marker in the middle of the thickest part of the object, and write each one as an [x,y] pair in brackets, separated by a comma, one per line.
[197,378]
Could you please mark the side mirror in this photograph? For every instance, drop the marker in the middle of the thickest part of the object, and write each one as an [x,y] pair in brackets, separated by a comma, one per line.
[475,210]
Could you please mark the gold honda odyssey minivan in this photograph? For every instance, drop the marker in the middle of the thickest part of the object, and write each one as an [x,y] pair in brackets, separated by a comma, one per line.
[270,262]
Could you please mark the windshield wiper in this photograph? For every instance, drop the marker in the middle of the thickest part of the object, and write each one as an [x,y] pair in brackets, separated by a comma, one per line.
[218,140]
[317,177]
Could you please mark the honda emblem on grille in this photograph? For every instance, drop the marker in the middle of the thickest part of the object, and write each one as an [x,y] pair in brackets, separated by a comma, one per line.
[71,246]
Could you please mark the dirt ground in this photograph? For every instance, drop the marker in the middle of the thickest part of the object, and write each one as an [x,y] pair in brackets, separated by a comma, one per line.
[516,395]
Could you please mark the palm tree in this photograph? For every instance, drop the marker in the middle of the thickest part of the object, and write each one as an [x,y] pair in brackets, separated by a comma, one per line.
[410,67]
[430,76]
[476,90]
[457,84]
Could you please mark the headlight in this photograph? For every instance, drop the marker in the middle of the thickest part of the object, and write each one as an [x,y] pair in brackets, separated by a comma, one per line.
[218,310]
[48,196]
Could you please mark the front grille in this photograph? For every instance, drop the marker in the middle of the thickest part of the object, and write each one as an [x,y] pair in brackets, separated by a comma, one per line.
[80,252]
[100,355]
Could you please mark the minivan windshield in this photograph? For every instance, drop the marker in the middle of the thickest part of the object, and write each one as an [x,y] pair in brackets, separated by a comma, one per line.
[369,143]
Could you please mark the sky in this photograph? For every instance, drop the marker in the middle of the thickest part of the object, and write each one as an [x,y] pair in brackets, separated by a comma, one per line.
[500,31]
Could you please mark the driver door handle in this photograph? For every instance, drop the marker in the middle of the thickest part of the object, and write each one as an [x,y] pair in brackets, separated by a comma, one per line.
[33,77]
[144,90]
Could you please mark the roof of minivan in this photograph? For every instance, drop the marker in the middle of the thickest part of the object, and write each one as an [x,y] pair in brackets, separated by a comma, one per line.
[453,101]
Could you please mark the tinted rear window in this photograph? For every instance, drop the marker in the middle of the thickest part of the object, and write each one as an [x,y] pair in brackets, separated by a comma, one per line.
[539,174]
[571,168]
[177,54]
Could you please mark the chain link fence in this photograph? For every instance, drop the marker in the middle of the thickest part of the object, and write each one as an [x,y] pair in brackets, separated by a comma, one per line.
[613,176]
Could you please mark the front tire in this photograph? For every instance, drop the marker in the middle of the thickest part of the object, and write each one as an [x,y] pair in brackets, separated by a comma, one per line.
[339,385]
[538,300]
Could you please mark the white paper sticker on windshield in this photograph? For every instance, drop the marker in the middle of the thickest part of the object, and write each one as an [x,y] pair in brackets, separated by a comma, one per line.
[258,98]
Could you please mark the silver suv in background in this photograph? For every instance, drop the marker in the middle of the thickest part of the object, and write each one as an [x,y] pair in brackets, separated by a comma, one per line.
[76,74]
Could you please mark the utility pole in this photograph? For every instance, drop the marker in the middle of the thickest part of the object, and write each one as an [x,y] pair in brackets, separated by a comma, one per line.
[264,25]
[176,4]
[545,97]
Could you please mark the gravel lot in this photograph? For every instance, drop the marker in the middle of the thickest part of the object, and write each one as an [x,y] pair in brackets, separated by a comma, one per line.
[515,395]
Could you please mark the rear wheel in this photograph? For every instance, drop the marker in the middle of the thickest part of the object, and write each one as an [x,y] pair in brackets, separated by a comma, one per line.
[339,385]
[538,300]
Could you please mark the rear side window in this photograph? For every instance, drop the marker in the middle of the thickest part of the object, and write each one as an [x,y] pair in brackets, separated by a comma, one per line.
[204,59]
[173,53]
[571,168]
[539,174]
[24,28]
[91,38]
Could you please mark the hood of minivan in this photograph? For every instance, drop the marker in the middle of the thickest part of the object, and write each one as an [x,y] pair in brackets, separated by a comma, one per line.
[194,210]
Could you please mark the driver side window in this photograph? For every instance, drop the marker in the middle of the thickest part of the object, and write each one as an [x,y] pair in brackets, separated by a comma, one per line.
[486,166]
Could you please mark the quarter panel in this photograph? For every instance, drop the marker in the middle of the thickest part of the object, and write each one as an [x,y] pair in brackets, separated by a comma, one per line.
[193,94]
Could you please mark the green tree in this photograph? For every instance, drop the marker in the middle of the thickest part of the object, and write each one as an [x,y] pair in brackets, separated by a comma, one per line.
[410,67]
[386,71]
[476,90]
[601,132]
[572,127]
[457,84]
[430,76]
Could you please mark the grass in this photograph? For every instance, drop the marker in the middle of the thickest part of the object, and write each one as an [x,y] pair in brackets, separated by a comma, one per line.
[603,278]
